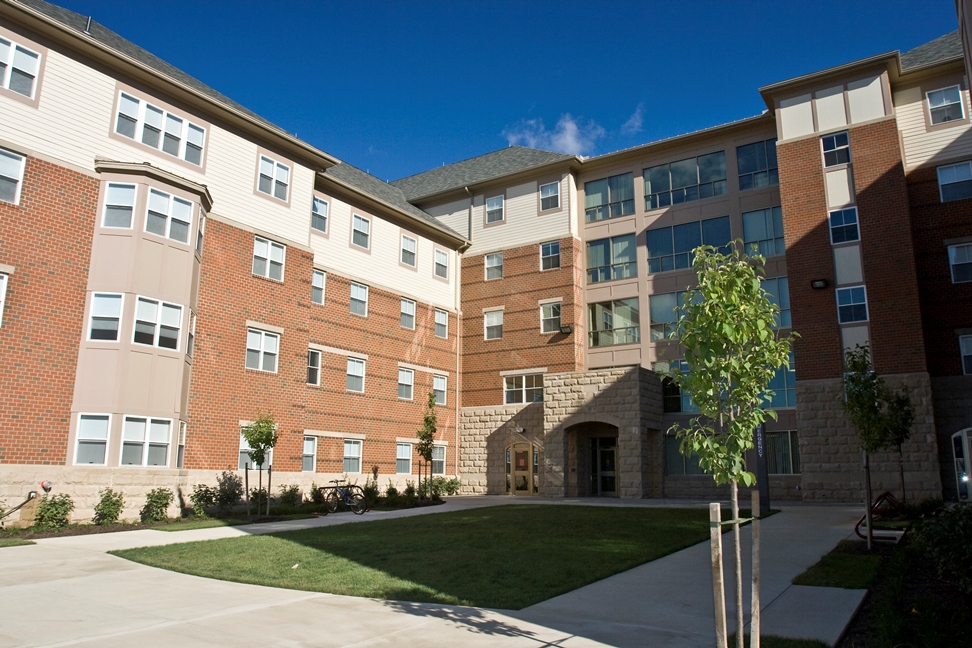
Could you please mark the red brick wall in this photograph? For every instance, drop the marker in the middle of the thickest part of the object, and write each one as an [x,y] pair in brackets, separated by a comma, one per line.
[223,391]
[47,238]
[523,345]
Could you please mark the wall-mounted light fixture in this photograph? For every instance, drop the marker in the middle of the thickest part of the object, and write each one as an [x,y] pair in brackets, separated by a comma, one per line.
[567,329]
[519,430]
[818,284]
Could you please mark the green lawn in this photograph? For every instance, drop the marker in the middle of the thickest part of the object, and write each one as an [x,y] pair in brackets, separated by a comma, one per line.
[14,542]
[848,565]
[189,524]
[500,557]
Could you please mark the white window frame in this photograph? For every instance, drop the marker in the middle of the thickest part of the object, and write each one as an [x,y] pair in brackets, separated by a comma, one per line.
[403,452]
[158,323]
[407,310]
[146,441]
[490,261]
[847,290]
[200,233]
[965,351]
[356,455]
[314,365]
[268,259]
[511,388]
[487,326]
[78,438]
[278,176]
[358,298]
[444,315]
[4,279]
[181,447]
[439,459]
[245,447]
[959,255]
[10,65]
[544,321]
[842,212]
[413,251]
[313,455]
[318,277]
[191,334]
[945,104]
[952,170]
[355,363]
[171,202]
[361,226]
[190,136]
[440,383]
[498,207]
[549,256]
[441,264]
[117,201]
[261,350]
[319,211]
[406,378]
[107,316]
[555,194]
[837,147]
[21,162]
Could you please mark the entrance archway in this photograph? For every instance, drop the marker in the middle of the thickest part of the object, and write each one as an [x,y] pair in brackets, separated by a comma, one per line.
[593,457]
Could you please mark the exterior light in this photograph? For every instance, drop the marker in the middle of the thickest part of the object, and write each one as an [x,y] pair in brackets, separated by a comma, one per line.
[567,329]
[817,284]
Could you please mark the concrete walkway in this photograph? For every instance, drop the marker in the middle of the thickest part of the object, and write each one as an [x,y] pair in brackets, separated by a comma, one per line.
[68,591]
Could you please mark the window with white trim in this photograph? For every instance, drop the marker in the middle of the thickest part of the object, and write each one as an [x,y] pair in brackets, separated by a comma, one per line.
[493,322]
[274,178]
[355,375]
[319,215]
[763,228]
[438,460]
[494,209]
[965,346]
[262,348]
[145,441]
[550,318]
[359,299]
[955,181]
[360,231]
[181,450]
[268,258]
[440,387]
[159,129]
[945,105]
[92,439]
[119,205]
[11,176]
[200,234]
[407,318]
[403,459]
[3,294]
[191,334]
[318,279]
[550,255]
[157,323]
[406,383]
[851,304]
[105,319]
[352,456]
[441,264]
[168,216]
[313,367]
[843,225]
[19,68]
[550,196]
[526,388]
[960,262]
[245,458]
[308,460]
[441,323]
[836,149]
[409,248]
[494,266]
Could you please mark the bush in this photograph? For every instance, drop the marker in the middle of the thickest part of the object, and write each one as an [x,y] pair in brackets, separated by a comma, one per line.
[453,486]
[391,491]
[317,497]
[258,496]
[156,506]
[946,538]
[409,489]
[229,491]
[109,507]
[290,496]
[435,486]
[203,497]
[370,489]
[53,511]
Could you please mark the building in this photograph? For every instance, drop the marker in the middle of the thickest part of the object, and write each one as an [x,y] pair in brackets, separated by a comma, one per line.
[208,267]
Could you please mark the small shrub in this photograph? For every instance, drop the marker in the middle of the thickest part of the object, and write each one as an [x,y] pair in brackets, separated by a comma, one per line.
[258,497]
[316,495]
[203,497]
[290,496]
[109,507]
[229,487]
[410,489]
[924,508]
[370,489]
[157,503]
[434,487]
[946,538]
[391,491]
[453,486]
[53,511]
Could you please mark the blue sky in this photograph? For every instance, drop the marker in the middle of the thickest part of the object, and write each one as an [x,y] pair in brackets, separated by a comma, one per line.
[397,88]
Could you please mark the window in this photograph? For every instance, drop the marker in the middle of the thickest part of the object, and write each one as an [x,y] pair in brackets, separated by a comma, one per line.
[145,442]
[318,279]
[359,299]
[319,215]
[678,464]
[764,229]
[313,367]
[105,317]
[851,305]
[836,149]
[409,246]
[274,178]
[609,197]
[757,165]
[406,383]
[157,323]
[960,260]
[308,460]
[92,439]
[782,453]
[191,334]
[159,129]
[245,456]
[441,264]
[523,389]
[779,293]
[945,105]
[965,344]
[954,181]
[441,323]
[403,459]
[3,295]
[268,258]
[352,456]
[440,388]
[356,375]
[168,216]
[685,180]
[663,311]
[438,460]
[671,395]
[550,196]
[783,386]
[18,68]
[614,322]
[407,318]
[843,225]
[550,318]
[11,176]
[494,266]
[611,258]
[119,205]
[550,255]
[494,324]
[494,209]
[261,350]
[360,231]
[200,233]
[181,450]
[672,248]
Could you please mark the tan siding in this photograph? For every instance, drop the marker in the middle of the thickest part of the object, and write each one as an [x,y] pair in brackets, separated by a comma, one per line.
[922,146]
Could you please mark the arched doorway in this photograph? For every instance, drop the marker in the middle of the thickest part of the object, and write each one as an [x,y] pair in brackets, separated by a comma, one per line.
[522,469]
[592,449]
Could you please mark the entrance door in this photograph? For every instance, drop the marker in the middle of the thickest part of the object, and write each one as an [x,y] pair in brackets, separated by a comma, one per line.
[604,457]
[522,469]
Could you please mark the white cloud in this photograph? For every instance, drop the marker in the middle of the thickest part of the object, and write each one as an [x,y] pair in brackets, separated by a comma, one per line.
[634,123]
[569,136]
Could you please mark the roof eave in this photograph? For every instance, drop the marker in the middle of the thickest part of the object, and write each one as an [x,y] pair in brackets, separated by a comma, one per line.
[888,58]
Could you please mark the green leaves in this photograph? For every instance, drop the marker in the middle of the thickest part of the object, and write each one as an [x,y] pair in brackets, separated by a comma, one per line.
[426,433]
[883,418]
[261,436]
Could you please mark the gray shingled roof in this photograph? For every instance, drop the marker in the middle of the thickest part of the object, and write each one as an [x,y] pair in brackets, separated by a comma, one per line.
[474,170]
[392,195]
[941,49]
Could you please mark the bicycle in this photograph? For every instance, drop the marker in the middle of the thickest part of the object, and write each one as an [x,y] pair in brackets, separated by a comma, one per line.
[343,493]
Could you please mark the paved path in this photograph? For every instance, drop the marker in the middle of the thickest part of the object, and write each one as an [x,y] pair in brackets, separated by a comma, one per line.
[68,591]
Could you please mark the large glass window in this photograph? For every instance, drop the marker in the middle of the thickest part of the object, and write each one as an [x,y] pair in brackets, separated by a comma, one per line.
[611,258]
[523,389]
[955,181]
[11,176]
[159,129]
[609,197]
[92,439]
[157,323]
[262,348]
[757,165]
[678,464]
[664,311]
[960,261]
[764,229]
[685,180]
[782,453]
[614,322]
[945,105]
[783,386]
[19,67]
[145,442]
[671,248]
[778,289]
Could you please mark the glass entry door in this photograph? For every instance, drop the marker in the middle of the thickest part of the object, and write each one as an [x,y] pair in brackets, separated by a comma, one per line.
[604,456]
[522,469]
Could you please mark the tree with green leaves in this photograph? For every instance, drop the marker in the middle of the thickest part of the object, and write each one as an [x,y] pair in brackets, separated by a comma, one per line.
[426,436]
[733,348]
[261,435]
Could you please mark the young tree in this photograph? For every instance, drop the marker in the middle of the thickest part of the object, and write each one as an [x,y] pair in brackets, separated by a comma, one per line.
[727,327]
[261,435]
[426,436]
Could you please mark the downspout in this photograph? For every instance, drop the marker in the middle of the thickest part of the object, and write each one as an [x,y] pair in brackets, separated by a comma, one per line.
[459,338]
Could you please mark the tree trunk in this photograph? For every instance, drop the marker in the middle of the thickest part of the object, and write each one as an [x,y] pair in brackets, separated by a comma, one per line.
[867,500]
[737,548]
[269,477]
[246,486]
[904,499]
[718,583]
[259,488]
[754,618]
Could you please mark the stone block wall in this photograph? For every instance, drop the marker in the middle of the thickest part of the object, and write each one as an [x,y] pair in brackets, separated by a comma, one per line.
[486,432]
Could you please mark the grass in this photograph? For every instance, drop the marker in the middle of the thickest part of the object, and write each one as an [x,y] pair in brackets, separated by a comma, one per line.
[500,557]
[848,565]
[14,542]
[770,641]
[189,524]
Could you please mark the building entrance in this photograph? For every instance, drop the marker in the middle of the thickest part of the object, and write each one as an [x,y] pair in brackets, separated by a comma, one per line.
[604,457]
[521,464]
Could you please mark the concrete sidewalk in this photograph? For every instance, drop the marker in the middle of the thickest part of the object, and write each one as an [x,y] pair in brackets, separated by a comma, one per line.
[67,591]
